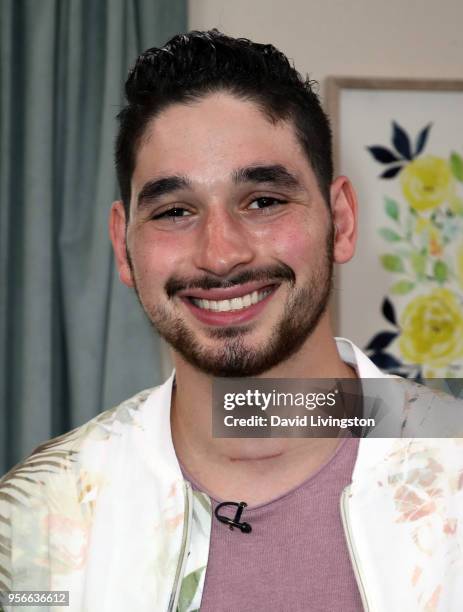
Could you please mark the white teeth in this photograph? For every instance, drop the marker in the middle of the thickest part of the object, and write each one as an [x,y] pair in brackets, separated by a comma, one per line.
[233,304]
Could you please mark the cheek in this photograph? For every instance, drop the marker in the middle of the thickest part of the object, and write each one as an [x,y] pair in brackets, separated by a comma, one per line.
[155,258]
[294,243]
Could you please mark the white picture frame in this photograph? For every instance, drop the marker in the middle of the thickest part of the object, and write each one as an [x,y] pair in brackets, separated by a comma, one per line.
[371,117]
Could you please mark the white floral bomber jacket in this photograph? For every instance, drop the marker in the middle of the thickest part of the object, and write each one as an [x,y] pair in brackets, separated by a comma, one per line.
[104,513]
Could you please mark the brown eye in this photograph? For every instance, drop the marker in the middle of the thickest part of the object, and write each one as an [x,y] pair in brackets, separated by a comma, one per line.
[173,213]
[265,202]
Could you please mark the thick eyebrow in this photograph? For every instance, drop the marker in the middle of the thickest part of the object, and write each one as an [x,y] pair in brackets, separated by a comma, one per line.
[153,190]
[276,175]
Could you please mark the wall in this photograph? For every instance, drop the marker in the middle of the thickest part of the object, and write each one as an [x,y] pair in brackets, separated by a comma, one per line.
[407,38]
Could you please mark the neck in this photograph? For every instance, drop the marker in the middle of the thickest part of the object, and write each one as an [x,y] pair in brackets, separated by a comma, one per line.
[232,468]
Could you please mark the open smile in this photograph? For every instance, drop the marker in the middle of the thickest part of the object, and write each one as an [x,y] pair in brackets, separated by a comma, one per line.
[238,303]
[232,305]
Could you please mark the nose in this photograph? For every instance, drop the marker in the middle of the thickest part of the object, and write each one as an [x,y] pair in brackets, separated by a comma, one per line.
[223,244]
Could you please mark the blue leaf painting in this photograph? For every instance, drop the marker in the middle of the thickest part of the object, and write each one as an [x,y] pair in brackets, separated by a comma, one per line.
[388,311]
[401,141]
[381,341]
[422,139]
[391,172]
[383,155]
[384,361]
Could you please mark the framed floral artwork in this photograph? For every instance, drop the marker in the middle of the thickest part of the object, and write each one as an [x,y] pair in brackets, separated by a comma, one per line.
[401,297]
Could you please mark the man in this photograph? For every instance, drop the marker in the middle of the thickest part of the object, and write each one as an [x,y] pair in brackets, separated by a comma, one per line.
[228,227]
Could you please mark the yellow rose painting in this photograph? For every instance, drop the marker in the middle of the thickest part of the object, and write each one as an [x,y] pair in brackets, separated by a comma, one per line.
[427,182]
[424,304]
[432,329]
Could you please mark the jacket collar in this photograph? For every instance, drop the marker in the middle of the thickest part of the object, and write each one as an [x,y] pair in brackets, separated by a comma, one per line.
[156,414]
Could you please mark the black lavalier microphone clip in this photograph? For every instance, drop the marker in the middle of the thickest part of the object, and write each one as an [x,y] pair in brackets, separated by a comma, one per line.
[235,522]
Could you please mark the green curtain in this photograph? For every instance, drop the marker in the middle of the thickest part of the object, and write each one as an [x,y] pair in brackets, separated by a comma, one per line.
[73,340]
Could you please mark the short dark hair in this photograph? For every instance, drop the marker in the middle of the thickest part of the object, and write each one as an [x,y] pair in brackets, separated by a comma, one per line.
[193,65]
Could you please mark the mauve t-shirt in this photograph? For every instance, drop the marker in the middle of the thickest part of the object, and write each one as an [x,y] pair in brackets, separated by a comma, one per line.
[296,558]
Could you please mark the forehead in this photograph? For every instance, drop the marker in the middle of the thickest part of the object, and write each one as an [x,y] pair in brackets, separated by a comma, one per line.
[207,139]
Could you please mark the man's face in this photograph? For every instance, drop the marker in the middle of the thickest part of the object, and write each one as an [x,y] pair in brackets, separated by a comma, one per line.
[230,244]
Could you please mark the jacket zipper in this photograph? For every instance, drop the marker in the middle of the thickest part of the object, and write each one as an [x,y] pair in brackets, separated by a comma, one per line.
[183,550]
[351,547]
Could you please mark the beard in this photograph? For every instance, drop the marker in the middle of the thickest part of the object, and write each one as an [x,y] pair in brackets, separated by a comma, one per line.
[234,356]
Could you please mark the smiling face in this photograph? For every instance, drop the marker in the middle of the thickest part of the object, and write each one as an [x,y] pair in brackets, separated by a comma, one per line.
[230,243]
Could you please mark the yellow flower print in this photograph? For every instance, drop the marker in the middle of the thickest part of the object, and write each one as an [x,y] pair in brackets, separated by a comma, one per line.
[427,182]
[424,226]
[435,246]
[432,329]
[456,204]
[460,264]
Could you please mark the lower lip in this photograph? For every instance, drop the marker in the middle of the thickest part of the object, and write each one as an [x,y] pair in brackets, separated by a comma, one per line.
[232,317]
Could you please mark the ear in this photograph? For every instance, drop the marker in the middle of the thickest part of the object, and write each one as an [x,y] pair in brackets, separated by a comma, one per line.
[117,233]
[344,213]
